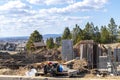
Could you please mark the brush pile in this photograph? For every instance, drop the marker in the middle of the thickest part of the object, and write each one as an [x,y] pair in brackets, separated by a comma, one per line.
[80,65]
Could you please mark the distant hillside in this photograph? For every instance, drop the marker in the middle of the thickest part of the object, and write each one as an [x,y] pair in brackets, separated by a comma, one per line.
[14,39]
[51,35]
[27,37]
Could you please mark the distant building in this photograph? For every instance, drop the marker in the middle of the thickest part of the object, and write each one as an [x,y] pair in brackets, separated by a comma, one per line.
[38,45]
[10,46]
[2,45]
[21,48]
[7,46]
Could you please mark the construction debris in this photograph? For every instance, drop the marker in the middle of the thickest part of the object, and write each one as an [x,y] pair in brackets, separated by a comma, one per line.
[90,55]
[80,65]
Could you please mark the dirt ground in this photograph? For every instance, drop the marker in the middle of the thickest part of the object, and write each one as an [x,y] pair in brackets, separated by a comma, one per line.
[19,74]
[7,77]
[9,74]
[16,75]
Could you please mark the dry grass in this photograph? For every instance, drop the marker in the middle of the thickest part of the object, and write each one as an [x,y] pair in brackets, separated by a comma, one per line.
[2,71]
[113,45]
[7,71]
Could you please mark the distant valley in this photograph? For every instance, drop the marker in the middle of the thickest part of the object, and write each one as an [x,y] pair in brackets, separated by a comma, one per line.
[11,39]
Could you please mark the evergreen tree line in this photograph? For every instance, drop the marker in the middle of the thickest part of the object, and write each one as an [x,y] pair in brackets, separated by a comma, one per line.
[105,34]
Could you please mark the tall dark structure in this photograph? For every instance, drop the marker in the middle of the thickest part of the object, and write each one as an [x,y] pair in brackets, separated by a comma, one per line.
[89,51]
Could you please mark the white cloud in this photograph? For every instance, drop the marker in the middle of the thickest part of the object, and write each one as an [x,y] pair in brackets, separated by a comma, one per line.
[51,2]
[75,18]
[57,2]
[36,1]
[13,5]
[84,5]
[16,16]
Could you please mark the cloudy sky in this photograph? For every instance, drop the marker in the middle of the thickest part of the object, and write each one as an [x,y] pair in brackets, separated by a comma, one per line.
[22,17]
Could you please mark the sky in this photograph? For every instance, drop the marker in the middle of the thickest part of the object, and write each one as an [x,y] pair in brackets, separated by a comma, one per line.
[22,17]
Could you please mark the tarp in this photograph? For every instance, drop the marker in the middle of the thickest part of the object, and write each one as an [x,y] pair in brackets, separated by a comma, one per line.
[31,72]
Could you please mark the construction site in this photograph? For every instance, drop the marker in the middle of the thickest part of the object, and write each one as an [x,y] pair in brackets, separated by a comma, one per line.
[85,59]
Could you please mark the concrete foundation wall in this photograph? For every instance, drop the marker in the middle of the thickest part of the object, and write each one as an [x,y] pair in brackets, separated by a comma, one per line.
[116,54]
[67,50]
[103,62]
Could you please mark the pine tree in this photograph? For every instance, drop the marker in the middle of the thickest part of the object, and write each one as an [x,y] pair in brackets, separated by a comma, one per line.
[66,34]
[34,37]
[105,36]
[58,41]
[50,43]
[89,31]
[77,34]
[112,30]
[96,36]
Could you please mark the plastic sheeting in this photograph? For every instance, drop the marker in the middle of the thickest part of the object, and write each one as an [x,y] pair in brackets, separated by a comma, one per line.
[31,72]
